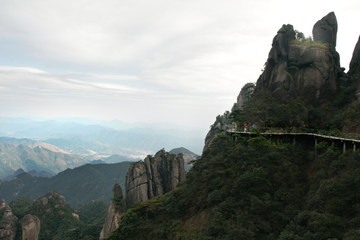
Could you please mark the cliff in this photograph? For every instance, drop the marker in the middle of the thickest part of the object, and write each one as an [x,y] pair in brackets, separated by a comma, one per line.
[154,176]
[114,212]
[8,222]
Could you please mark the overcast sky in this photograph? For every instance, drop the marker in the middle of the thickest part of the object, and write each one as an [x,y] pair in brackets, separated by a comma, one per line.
[155,61]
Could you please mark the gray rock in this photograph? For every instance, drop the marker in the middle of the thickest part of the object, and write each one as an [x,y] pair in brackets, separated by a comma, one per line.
[30,227]
[154,176]
[325,30]
[114,212]
[355,60]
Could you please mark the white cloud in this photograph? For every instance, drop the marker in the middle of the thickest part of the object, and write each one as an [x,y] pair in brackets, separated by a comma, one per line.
[147,56]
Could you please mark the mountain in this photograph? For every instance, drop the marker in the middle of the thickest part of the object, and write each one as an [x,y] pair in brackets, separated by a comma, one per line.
[249,187]
[30,143]
[89,136]
[187,155]
[32,173]
[13,157]
[116,158]
[79,185]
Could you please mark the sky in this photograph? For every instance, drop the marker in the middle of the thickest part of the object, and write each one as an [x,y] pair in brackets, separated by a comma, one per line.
[155,61]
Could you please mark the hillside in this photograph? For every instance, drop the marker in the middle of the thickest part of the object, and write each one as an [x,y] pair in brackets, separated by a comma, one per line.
[79,185]
[253,188]
[13,157]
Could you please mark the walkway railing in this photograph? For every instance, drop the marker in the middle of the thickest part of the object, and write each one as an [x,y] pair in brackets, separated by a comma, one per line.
[309,131]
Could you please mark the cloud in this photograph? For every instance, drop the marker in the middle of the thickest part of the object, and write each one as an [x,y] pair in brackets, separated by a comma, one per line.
[133,57]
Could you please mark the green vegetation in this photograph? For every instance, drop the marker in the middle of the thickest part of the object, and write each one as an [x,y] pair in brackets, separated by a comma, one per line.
[255,190]
[57,219]
[92,213]
[79,185]
[310,43]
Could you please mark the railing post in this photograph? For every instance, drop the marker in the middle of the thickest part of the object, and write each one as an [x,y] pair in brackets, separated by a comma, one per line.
[344,146]
[354,148]
[315,148]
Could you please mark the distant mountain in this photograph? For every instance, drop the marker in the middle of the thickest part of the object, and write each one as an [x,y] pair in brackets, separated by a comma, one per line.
[115,136]
[32,173]
[116,159]
[187,154]
[40,159]
[79,185]
[30,143]
[97,162]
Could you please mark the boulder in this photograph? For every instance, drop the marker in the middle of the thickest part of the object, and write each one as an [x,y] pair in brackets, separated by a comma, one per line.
[30,227]
[325,30]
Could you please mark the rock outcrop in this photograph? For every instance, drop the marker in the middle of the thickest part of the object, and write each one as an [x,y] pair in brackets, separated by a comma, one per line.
[154,176]
[355,60]
[325,30]
[296,69]
[30,227]
[7,222]
[244,96]
[114,212]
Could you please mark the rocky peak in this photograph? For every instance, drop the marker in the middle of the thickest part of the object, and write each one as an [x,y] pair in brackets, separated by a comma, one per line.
[325,30]
[154,176]
[355,60]
[302,67]
[115,210]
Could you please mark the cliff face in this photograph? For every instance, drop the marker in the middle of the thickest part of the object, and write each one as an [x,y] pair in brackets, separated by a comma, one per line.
[114,212]
[7,222]
[155,176]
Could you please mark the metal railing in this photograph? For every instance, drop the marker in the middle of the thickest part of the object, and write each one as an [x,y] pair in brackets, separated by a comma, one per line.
[309,131]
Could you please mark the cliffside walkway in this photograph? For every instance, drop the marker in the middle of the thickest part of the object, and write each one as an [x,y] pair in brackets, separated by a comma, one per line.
[333,136]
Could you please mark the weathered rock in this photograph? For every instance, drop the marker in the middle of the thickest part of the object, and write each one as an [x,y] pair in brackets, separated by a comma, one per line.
[355,60]
[75,216]
[244,96]
[155,176]
[325,30]
[221,123]
[298,70]
[7,223]
[30,227]
[114,212]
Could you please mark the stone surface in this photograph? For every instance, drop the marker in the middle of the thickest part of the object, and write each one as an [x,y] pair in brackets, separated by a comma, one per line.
[154,176]
[355,60]
[325,30]
[114,212]
[244,96]
[30,227]
[298,70]
[7,223]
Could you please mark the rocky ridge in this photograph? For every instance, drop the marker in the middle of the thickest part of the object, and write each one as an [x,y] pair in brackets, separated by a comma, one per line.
[154,176]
